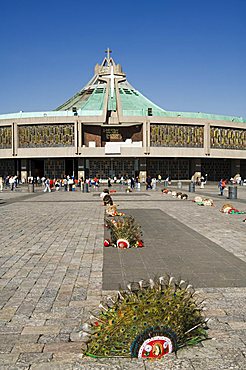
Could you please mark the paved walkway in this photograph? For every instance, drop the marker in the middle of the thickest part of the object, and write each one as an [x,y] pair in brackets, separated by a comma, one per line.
[51,261]
[172,247]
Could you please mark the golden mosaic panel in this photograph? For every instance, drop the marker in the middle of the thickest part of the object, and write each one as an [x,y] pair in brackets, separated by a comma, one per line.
[177,135]
[227,138]
[5,137]
[38,136]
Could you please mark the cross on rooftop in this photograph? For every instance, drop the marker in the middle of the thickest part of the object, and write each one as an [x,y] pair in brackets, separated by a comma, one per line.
[108,51]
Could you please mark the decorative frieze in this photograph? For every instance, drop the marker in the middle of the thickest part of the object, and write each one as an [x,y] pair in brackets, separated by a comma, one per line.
[227,138]
[177,135]
[5,137]
[38,136]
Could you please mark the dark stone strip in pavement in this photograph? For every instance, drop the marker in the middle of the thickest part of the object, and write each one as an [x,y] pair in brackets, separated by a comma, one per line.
[18,199]
[123,194]
[96,200]
[171,247]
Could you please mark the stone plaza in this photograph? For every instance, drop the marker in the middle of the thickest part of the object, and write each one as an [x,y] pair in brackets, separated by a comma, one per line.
[55,270]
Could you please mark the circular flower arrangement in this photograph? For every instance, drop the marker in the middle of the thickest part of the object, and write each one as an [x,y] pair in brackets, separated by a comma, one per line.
[148,320]
[125,232]
[154,343]
[123,243]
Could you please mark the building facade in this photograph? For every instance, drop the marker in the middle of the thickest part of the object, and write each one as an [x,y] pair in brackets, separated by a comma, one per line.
[110,129]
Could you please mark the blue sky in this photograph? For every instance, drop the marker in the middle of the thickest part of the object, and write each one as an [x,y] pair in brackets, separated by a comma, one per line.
[185,55]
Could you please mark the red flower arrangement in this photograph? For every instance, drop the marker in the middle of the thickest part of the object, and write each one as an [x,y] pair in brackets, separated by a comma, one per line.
[139,244]
[106,243]
[125,233]
[123,243]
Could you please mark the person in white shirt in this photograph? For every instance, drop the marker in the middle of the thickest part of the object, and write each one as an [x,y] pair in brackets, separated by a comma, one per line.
[47,185]
[11,183]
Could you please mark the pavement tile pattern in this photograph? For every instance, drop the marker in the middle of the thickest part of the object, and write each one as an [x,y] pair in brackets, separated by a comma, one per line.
[51,276]
[171,247]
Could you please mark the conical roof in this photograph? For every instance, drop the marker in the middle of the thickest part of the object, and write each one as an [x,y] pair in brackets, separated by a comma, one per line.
[110,87]
[109,90]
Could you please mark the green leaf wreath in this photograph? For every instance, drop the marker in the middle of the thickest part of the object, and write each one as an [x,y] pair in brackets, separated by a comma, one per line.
[124,227]
[147,307]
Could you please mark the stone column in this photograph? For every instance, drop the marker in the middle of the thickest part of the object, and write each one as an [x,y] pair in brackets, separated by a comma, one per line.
[142,170]
[144,135]
[81,168]
[235,167]
[207,139]
[79,135]
[76,137]
[14,138]
[195,165]
[23,174]
[18,167]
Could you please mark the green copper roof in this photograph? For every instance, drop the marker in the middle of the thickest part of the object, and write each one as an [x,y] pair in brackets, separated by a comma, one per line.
[135,104]
[87,101]
[90,100]
[112,102]
[102,89]
[95,100]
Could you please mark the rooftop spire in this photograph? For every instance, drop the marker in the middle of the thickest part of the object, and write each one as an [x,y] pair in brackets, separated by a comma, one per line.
[108,51]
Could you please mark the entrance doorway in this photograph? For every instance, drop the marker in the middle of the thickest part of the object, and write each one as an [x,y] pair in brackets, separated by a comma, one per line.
[69,167]
[37,166]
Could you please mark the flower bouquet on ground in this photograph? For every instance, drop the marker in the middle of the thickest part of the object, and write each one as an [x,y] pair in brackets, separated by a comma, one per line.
[229,209]
[203,201]
[125,232]
[111,210]
[165,191]
[147,321]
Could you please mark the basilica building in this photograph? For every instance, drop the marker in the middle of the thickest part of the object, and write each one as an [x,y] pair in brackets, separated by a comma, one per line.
[110,129]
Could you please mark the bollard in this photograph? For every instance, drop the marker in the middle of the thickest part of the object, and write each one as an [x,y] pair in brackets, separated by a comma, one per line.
[30,187]
[192,187]
[179,185]
[166,183]
[232,192]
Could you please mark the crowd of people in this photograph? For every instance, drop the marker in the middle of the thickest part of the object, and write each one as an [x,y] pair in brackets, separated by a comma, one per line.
[9,182]
[134,182]
[67,183]
[70,183]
